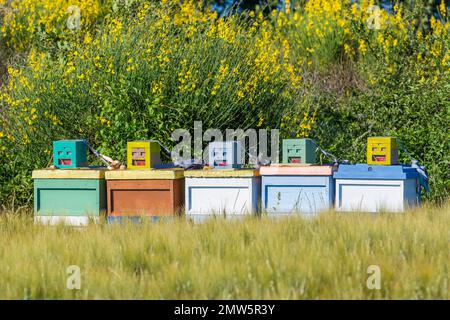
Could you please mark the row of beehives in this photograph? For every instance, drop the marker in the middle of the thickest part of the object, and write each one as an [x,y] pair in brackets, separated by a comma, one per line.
[76,195]
[74,192]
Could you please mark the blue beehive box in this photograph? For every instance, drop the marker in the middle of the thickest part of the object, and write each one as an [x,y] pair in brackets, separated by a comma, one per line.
[69,154]
[375,188]
[297,189]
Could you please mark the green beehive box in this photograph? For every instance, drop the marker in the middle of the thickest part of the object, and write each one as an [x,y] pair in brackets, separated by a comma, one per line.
[300,151]
[70,196]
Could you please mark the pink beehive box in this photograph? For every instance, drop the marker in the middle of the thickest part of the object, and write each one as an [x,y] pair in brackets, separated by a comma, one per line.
[297,170]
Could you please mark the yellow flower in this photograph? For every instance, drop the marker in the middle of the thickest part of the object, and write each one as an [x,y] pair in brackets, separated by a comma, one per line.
[87,38]
[443,8]
[362,46]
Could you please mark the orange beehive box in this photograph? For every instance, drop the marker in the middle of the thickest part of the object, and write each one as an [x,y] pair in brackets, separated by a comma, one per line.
[153,193]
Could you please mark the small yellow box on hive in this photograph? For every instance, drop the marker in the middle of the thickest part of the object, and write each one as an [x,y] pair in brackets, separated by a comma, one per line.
[143,154]
[382,150]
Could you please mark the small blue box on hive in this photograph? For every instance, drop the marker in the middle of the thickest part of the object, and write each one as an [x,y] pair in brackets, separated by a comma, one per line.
[225,154]
[375,188]
[69,154]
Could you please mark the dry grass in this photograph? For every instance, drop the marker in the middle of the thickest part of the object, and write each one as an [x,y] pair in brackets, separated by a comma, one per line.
[320,258]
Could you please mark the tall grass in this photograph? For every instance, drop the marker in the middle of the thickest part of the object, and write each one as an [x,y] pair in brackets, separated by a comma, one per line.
[321,258]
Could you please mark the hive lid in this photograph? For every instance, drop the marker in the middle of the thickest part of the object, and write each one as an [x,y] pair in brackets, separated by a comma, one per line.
[150,174]
[222,173]
[297,170]
[375,172]
[78,173]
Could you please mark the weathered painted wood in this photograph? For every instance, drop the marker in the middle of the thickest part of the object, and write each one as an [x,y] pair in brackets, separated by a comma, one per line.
[223,173]
[376,188]
[152,174]
[382,150]
[297,194]
[156,197]
[69,197]
[143,154]
[139,219]
[207,196]
[299,151]
[293,189]
[297,170]
[80,173]
[225,154]
[69,154]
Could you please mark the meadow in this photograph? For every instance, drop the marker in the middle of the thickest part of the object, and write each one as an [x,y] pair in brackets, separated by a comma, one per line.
[259,258]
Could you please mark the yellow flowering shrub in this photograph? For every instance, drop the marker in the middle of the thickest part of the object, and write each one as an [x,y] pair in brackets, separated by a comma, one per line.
[24,20]
[332,70]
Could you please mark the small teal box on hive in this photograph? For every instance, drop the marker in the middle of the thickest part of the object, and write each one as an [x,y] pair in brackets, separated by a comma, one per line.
[375,188]
[299,151]
[73,196]
[289,189]
[69,154]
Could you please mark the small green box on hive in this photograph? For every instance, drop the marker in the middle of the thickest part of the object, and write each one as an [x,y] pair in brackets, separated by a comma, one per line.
[143,154]
[69,154]
[382,150]
[301,151]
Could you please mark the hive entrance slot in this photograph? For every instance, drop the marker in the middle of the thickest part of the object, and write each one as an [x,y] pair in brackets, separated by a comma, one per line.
[220,164]
[65,162]
[378,157]
[139,163]
[295,160]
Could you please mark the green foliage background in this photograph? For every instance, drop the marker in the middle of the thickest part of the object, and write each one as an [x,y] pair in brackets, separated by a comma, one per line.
[143,70]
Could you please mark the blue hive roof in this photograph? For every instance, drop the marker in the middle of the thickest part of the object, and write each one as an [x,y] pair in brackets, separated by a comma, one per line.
[375,172]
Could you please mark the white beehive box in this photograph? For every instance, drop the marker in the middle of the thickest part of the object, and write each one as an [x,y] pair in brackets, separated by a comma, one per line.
[375,188]
[230,193]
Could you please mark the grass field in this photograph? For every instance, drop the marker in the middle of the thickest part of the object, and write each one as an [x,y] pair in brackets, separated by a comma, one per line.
[322,258]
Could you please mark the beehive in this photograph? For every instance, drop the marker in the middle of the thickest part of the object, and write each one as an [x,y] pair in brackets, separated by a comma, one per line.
[368,188]
[72,196]
[233,193]
[382,150]
[298,189]
[69,154]
[299,151]
[225,154]
[144,193]
[143,154]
